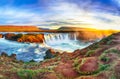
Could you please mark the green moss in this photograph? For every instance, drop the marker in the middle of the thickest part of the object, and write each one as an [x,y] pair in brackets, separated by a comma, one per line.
[109,42]
[107,39]
[94,46]
[113,77]
[112,51]
[76,62]
[30,74]
[89,53]
[77,65]
[26,74]
[104,58]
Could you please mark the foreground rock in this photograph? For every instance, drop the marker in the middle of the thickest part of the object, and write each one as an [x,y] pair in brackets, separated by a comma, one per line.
[50,53]
[98,61]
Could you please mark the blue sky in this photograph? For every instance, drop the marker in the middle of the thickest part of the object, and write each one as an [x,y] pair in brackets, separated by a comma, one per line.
[101,14]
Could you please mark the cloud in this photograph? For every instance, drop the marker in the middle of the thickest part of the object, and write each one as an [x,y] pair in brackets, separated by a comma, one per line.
[19,16]
[62,13]
[117,2]
[96,19]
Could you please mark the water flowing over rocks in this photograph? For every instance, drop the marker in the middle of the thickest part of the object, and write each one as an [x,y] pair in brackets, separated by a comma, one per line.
[100,60]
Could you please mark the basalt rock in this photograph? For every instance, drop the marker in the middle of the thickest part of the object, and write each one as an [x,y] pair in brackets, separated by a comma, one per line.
[50,53]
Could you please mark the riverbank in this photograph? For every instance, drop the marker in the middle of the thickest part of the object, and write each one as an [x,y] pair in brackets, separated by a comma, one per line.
[98,61]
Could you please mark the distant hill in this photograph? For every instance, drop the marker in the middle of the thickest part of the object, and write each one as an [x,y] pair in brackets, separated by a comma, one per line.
[14,28]
[87,33]
[71,28]
[100,60]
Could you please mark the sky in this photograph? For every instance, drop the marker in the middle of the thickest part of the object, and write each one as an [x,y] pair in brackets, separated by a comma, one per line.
[100,14]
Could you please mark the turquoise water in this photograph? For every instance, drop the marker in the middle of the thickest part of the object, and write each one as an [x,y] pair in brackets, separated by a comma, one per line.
[29,51]
[24,51]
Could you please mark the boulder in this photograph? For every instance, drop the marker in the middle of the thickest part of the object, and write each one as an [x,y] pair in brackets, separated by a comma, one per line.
[50,53]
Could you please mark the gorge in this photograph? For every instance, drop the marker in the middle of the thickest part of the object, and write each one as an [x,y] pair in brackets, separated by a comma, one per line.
[36,51]
[33,45]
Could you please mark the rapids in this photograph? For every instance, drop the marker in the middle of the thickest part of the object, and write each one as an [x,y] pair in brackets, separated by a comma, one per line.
[36,51]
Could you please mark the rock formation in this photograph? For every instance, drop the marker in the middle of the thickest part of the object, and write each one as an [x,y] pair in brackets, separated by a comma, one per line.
[30,38]
[1,35]
[100,60]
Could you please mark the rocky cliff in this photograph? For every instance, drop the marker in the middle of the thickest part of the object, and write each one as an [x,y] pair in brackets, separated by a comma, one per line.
[30,38]
[100,60]
[87,34]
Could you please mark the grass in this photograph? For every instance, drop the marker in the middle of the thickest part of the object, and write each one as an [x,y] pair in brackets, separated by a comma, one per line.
[102,67]
[112,51]
[105,59]
[107,40]
[26,74]
[31,74]
[78,64]
[89,53]
[113,77]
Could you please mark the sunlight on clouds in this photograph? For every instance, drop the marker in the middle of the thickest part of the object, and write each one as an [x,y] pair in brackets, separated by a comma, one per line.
[62,14]
[72,11]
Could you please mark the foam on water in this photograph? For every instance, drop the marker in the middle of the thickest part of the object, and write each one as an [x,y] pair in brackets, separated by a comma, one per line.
[24,51]
[64,41]
[29,51]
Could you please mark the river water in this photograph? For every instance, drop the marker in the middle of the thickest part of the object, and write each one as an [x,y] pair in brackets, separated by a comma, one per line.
[29,51]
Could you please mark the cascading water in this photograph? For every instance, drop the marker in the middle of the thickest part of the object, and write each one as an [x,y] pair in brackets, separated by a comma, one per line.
[57,38]
[24,51]
[64,41]
[29,51]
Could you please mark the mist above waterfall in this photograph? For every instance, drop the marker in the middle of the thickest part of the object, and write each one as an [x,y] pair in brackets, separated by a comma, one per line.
[64,41]
[36,51]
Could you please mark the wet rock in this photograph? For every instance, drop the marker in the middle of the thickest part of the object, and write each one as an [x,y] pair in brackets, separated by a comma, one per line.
[50,53]
[4,54]
[9,35]
[13,56]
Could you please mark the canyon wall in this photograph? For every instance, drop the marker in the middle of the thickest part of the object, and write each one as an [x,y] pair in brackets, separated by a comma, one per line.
[92,35]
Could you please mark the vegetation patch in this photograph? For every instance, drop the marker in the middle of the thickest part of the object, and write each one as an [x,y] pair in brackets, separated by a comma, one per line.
[30,74]
[107,40]
[89,53]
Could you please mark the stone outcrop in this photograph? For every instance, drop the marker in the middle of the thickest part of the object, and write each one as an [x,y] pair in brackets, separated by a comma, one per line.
[100,60]
[50,53]
[1,36]
[30,38]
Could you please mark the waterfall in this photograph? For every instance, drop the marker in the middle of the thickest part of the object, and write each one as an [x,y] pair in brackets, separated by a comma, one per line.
[27,51]
[59,37]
